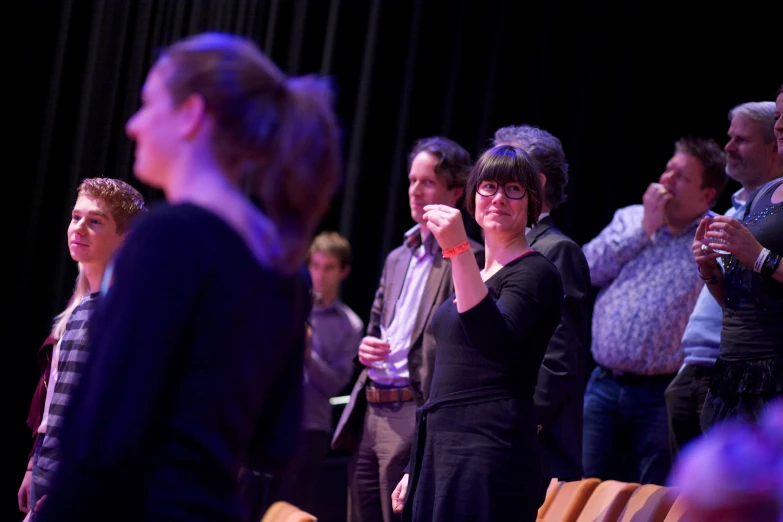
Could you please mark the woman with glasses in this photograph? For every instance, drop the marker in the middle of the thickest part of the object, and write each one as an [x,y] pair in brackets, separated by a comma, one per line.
[475,456]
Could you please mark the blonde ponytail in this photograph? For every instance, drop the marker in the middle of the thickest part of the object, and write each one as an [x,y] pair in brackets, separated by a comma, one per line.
[80,291]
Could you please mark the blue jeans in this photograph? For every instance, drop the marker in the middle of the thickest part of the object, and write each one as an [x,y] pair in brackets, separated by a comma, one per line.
[626,433]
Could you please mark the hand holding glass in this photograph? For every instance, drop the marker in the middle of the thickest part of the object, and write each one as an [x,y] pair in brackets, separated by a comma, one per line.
[383,365]
[720,241]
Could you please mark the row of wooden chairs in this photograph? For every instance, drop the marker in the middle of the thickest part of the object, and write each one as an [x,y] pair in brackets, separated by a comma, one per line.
[593,500]
[586,500]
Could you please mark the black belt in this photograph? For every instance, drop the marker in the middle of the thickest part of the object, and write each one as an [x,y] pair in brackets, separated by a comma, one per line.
[634,379]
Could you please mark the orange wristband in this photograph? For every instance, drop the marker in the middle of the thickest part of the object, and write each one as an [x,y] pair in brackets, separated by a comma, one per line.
[453,251]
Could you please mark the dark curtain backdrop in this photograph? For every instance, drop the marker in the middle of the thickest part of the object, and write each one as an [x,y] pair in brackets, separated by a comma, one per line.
[618,82]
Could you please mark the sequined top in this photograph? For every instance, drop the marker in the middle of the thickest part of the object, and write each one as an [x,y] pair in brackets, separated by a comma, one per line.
[753,311]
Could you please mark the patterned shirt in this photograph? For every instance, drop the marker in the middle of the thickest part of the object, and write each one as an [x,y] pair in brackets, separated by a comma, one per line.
[70,363]
[648,290]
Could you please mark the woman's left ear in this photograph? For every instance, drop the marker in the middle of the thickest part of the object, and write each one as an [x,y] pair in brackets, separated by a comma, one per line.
[191,114]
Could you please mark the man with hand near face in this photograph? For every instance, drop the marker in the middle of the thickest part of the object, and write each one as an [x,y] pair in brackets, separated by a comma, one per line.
[643,264]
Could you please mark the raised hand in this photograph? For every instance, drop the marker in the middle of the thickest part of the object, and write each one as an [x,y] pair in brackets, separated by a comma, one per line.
[736,238]
[654,200]
[446,225]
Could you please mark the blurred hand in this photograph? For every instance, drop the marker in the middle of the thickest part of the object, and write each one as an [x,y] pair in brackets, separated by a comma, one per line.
[23,496]
[737,239]
[398,496]
[707,263]
[308,342]
[373,350]
[446,225]
[654,200]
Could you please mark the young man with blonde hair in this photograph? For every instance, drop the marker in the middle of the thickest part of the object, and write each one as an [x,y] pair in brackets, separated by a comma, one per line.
[100,219]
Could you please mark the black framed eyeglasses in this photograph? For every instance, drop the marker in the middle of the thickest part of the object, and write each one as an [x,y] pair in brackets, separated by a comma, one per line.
[512,190]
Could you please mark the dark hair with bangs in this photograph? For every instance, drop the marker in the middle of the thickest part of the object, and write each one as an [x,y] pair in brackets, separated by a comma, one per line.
[506,164]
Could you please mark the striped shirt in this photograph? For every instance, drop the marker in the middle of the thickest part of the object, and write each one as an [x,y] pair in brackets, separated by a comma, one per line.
[70,365]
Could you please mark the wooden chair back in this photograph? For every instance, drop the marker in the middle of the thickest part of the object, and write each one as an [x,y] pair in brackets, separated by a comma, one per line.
[569,500]
[607,501]
[678,511]
[551,491]
[649,503]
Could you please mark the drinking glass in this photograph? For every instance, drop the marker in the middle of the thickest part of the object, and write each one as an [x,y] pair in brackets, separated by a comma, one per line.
[383,365]
[721,241]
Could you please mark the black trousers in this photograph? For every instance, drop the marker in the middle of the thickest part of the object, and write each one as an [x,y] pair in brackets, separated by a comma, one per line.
[297,484]
[257,490]
[685,398]
[300,483]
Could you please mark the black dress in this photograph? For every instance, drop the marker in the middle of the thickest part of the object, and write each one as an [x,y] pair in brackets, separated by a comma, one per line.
[475,456]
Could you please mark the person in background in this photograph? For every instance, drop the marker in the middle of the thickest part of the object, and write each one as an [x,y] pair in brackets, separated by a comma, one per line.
[748,284]
[778,128]
[334,334]
[398,352]
[752,160]
[648,286]
[559,396]
[197,348]
[476,455]
[100,219]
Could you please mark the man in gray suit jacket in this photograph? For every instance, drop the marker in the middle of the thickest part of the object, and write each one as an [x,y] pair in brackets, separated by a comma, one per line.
[398,352]
[559,392]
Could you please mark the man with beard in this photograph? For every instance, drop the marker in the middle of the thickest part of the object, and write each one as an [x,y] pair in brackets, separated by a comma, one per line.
[752,160]
[643,264]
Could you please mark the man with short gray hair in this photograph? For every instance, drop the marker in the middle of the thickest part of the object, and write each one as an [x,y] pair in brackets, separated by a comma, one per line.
[559,392]
[753,161]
